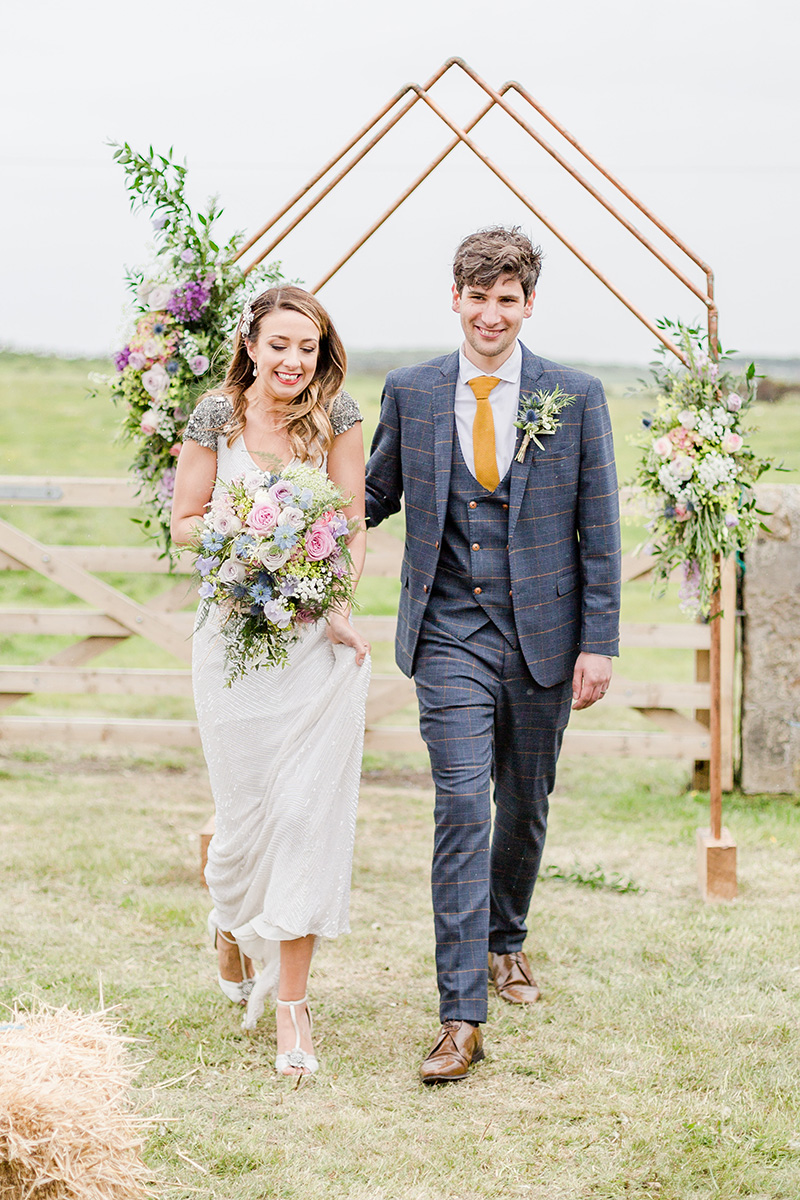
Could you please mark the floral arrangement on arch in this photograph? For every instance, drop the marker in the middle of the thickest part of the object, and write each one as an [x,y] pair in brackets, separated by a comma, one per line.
[184,307]
[697,471]
[272,557]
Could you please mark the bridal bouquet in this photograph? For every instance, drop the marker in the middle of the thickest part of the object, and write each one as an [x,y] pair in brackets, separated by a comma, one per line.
[696,469]
[273,558]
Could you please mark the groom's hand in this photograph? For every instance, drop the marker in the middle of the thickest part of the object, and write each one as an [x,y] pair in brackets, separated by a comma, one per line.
[590,679]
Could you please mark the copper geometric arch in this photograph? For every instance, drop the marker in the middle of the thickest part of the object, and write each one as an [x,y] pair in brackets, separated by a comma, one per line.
[462,136]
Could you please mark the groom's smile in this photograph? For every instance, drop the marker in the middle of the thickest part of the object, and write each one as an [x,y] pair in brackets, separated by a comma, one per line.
[491,319]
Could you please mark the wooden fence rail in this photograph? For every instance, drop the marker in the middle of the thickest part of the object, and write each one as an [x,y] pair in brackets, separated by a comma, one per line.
[677,713]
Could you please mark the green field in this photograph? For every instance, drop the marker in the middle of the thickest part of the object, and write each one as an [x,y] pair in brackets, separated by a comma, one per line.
[663,1060]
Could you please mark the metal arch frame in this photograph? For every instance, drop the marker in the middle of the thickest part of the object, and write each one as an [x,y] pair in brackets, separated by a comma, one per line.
[410,94]
[496,98]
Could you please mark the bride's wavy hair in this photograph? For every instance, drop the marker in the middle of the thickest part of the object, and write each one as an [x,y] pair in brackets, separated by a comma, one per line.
[308,424]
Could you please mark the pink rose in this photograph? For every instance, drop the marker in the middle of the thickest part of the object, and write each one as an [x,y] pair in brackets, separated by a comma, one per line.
[320,543]
[324,519]
[663,447]
[734,402]
[155,381]
[150,422]
[137,360]
[263,517]
[175,449]
[732,442]
[304,616]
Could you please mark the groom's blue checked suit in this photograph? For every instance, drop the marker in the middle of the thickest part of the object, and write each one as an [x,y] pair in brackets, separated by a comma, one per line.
[500,592]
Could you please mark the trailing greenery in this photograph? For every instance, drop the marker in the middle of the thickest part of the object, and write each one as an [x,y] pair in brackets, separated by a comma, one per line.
[184,307]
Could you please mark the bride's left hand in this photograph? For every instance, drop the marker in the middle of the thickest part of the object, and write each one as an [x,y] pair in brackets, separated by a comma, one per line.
[342,633]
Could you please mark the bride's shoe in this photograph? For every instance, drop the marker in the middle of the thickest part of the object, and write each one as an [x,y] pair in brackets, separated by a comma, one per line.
[298,1058]
[236,991]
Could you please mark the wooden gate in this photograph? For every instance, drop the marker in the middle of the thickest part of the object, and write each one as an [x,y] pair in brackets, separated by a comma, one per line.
[100,616]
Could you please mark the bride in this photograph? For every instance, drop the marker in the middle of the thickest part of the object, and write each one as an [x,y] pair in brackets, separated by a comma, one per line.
[283,745]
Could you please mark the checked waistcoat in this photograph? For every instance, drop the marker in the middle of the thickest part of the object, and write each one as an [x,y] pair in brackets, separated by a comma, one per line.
[472,583]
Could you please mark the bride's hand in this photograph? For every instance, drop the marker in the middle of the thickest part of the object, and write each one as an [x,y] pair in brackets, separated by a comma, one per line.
[342,633]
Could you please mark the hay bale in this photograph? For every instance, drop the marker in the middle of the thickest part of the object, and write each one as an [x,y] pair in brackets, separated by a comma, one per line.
[68,1128]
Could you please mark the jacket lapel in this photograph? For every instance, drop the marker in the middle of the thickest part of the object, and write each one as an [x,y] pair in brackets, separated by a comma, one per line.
[444,395]
[531,370]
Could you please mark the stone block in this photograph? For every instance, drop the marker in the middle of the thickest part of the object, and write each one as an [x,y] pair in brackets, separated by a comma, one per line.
[771,647]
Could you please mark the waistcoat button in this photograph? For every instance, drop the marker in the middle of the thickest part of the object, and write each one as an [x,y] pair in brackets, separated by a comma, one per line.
[505,506]
[474,504]
[436,545]
[424,587]
[477,591]
[475,546]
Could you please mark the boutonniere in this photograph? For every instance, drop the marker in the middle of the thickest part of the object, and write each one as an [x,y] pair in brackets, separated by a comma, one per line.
[538,414]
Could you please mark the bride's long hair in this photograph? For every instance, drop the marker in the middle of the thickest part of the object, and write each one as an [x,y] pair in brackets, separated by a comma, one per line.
[308,424]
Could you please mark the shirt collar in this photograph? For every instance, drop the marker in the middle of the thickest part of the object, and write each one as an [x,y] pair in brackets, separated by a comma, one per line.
[509,372]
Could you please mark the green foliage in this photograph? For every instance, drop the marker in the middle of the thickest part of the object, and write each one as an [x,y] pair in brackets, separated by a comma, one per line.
[696,469]
[184,308]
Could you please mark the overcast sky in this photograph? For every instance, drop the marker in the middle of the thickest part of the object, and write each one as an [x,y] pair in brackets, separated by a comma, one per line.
[693,104]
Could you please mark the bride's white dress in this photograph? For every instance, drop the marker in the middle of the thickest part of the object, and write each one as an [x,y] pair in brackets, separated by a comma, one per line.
[283,747]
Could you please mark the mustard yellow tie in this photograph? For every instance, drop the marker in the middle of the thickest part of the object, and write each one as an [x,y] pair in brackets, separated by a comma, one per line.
[483,445]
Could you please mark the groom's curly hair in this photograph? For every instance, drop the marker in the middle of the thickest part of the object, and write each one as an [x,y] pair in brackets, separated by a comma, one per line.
[484,256]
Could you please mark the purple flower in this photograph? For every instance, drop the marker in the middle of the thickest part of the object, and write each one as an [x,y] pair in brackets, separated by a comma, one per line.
[206,589]
[188,300]
[187,255]
[166,485]
[288,586]
[731,520]
[204,565]
[275,612]
[121,358]
[158,222]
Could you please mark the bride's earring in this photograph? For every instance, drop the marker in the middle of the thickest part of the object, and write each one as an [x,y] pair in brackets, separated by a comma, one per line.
[255,369]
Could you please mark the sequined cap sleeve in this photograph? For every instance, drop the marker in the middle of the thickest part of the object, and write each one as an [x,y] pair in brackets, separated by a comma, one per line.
[344,414]
[208,421]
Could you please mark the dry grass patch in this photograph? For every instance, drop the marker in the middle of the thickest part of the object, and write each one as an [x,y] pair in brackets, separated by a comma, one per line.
[662,1060]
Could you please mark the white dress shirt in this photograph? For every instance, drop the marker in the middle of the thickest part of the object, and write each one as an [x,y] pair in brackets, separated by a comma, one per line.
[504,400]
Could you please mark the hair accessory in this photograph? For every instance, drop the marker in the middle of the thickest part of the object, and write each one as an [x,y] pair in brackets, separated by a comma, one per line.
[246,320]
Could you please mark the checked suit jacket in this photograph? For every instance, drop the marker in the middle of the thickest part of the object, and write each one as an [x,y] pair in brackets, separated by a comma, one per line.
[563,518]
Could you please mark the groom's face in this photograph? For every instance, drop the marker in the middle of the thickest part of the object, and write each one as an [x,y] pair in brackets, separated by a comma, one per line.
[492,318]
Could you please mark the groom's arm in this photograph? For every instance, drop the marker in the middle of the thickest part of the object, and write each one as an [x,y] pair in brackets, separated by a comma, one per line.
[598,529]
[384,481]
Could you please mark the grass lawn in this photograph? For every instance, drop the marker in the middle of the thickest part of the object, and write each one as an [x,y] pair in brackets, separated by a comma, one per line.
[663,1059]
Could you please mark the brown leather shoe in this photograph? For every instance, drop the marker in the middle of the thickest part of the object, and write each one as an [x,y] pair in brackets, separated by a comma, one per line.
[513,978]
[458,1045]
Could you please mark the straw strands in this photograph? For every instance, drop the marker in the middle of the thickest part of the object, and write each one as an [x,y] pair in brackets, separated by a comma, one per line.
[68,1128]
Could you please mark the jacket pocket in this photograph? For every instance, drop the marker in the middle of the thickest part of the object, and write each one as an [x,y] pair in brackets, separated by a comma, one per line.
[567,583]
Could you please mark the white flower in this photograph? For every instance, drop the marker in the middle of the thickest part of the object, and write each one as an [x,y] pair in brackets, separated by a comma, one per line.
[293,517]
[155,381]
[231,571]
[667,479]
[226,523]
[688,418]
[707,427]
[271,557]
[682,467]
[715,469]
[253,482]
[151,348]
[158,299]
[150,421]
[144,289]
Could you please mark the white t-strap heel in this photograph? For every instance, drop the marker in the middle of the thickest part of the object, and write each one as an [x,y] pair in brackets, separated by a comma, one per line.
[297,1057]
[237,993]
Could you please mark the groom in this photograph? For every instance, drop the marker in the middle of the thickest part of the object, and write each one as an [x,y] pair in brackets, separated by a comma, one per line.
[508,610]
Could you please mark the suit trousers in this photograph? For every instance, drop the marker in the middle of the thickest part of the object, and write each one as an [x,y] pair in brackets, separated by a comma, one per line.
[484,717]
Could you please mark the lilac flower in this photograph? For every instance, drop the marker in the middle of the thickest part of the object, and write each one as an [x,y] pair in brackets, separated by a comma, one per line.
[187,255]
[121,358]
[158,222]
[166,485]
[731,520]
[188,300]
[206,589]
[275,612]
[204,565]
[288,587]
